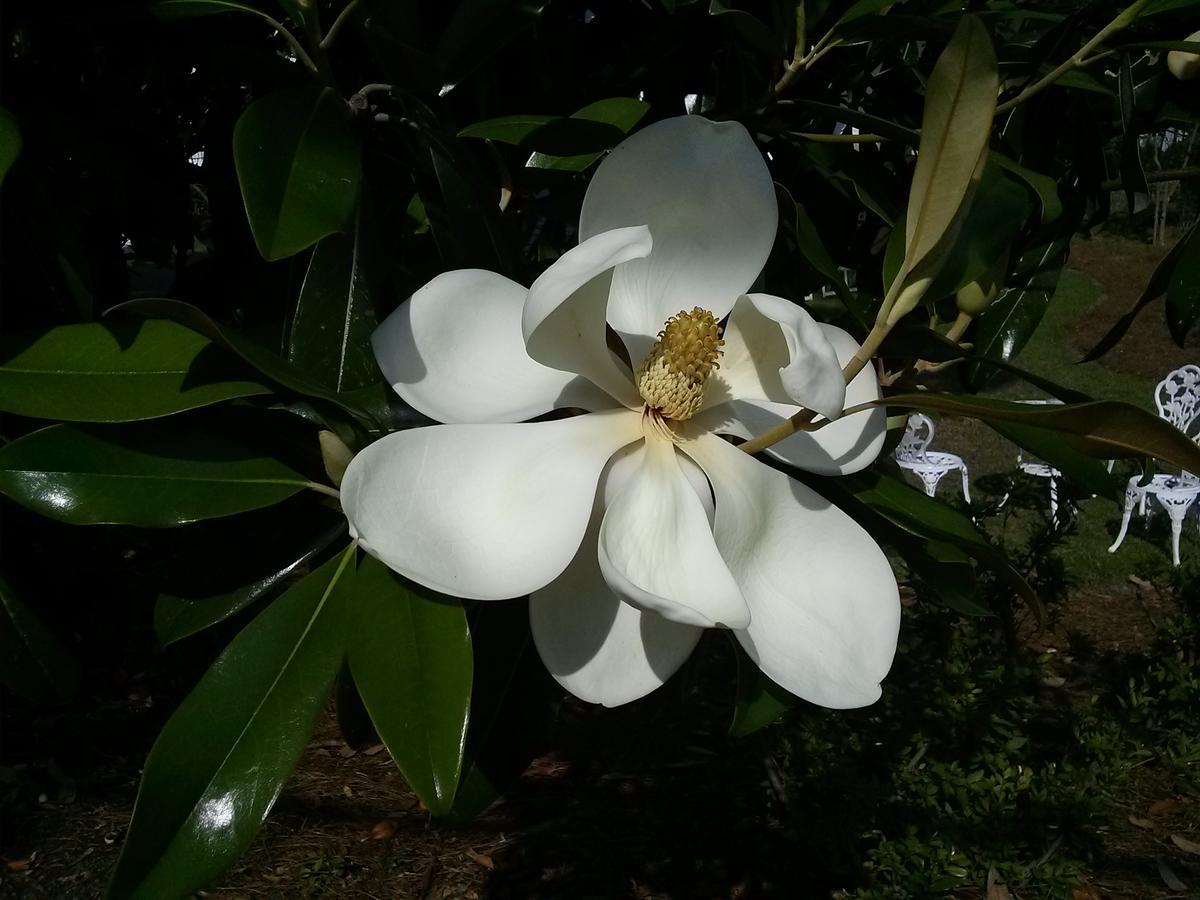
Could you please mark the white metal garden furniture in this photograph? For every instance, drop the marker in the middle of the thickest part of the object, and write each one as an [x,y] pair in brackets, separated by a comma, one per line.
[930,466]
[1178,400]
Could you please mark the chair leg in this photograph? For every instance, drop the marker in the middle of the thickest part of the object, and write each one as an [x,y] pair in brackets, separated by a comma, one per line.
[1176,510]
[966,488]
[1130,499]
[1053,501]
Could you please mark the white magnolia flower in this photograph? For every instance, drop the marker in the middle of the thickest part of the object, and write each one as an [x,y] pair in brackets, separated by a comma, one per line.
[635,526]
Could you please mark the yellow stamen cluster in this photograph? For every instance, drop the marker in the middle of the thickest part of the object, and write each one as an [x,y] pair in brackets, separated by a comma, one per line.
[671,378]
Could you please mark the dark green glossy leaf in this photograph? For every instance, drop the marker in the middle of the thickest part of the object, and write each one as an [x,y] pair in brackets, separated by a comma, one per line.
[1085,471]
[178,617]
[466,224]
[512,706]
[10,142]
[118,372]
[478,31]
[864,8]
[1155,288]
[1045,187]
[148,475]
[267,363]
[552,135]
[330,337]
[929,519]
[32,661]
[808,240]
[410,654]
[1154,7]
[1000,208]
[749,27]
[221,759]
[1104,429]
[1183,288]
[760,701]
[947,571]
[299,167]
[621,113]
[1007,325]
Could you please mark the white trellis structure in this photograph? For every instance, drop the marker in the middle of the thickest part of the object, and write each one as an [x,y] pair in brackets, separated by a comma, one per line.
[913,454]
[1178,400]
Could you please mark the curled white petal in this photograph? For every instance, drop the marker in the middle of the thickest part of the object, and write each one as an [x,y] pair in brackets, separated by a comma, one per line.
[455,352]
[656,547]
[564,316]
[595,645]
[705,192]
[847,445]
[824,606]
[482,511]
[776,351]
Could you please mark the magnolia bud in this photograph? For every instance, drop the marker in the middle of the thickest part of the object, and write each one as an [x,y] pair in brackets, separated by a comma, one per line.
[1184,64]
[974,298]
[336,456]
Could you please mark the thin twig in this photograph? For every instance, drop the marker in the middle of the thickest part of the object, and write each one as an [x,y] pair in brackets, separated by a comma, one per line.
[1121,21]
[342,18]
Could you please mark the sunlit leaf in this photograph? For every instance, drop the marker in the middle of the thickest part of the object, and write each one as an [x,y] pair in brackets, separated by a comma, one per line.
[221,759]
[760,701]
[621,113]
[118,372]
[149,475]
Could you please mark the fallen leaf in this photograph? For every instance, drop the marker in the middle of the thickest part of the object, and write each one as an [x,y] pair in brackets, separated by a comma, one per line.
[1185,845]
[996,889]
[347,751]
[1170,879]
[1086,892]
[1167,807]
[1141,823]
[1140,582]
[371,751]
[382,830]
[481,858]
[17,865]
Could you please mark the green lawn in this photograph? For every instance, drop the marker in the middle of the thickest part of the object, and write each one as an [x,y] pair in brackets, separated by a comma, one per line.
[992,459]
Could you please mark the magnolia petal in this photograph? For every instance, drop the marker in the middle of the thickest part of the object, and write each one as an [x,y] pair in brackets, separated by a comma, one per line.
[824,606]
[595,645]
[455,352]
[563,321]
[776,351]
[482,511]
[848,445]
[656,547]
[704,190]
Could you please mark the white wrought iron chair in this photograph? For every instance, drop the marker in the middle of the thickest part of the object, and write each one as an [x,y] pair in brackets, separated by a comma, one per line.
[1041,469]
[913,453]
[1178,400]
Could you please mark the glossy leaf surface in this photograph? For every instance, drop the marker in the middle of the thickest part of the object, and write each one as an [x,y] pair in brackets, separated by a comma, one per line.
[299,167]
[118,372]
[410,655]
[618,113]
[33,663]
[148,475]
[330,337]
[177,617]
[10,142]
[221,760]
[268,364]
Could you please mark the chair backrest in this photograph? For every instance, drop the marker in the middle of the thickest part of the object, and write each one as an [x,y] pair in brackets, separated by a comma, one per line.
[1178,400]
[918,434]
